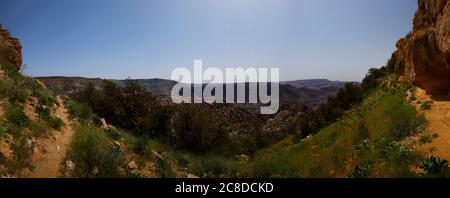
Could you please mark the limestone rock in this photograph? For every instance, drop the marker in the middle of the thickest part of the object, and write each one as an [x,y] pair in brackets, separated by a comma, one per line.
[191,176]
[132,165]
[423,57]
[70,165]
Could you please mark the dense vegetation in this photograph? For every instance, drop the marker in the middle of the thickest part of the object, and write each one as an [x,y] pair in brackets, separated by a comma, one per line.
[194,127]
[345,99]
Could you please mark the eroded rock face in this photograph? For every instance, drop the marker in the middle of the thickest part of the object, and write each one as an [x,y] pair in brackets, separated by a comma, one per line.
[423,57]
[10,49]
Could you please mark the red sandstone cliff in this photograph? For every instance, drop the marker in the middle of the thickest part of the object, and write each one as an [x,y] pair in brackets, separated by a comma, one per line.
[10,50]
[423,57]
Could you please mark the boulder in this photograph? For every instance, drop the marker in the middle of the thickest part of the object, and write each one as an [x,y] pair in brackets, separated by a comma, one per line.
[132,165]
[191,176]
[70,165]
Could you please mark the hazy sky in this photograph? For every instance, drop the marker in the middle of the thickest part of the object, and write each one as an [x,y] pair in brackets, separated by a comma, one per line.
[334,39]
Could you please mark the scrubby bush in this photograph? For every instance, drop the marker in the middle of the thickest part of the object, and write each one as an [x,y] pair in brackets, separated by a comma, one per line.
[163,168]
[43,95]
[406,122]
[44,114]
[17,116]
[395,152]
[92,154]
[268,166]
[198,129]
[55,123]
[22,153]
[434,165]
[108,162]
[140,145]
[130,107]
[213,166]
[12,73]
[426,105]
[96,120]
[12,92]
[361,170]
[77,110]
[113,134]
[38,128]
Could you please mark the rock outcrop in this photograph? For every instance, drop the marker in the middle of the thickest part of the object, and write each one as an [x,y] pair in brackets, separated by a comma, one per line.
[10,50]
[423,56]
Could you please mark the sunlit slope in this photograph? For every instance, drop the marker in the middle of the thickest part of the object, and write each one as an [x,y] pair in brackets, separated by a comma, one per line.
[374,139]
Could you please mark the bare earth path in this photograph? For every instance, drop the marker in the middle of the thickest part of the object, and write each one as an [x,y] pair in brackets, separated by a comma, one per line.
[438,118]
[51,151]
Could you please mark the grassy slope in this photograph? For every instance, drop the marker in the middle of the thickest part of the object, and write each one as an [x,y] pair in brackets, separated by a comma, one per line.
[28,109]
[364,143]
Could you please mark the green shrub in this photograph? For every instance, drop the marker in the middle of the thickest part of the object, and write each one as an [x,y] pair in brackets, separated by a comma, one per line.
[362,170]
[182,161]
[395,152]
[18,95]
[12,92]
[362,130]
[96,120]
[22,154]
[12,73]
[109,160]
[434,165]
[198,129]
[404,120]
[267,167]
[163,168]
[79,110]
[140,145]
[426,138]
[44,114]
[16,116]
[114,134]
[55,123]
[90,151]
[45,97]
[426,105]
[2,129]
[38,128]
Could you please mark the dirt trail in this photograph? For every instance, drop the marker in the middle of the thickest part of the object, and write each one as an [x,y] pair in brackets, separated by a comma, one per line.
[51,151]
[438,118]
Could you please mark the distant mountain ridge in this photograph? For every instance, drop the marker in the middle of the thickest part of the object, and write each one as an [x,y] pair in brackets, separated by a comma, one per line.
[311,92]
[314,83]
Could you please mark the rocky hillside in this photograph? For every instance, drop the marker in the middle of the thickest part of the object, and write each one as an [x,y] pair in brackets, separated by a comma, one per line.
[423,56]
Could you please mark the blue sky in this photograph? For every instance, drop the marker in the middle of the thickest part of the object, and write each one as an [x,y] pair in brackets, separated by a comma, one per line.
[334,39]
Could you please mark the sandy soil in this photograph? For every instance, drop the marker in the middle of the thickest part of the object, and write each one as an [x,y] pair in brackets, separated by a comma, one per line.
[51,151]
